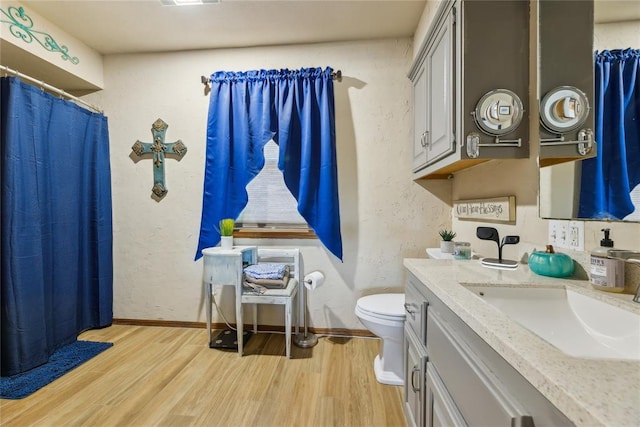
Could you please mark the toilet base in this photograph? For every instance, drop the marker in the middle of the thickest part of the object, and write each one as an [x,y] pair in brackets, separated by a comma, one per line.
[385,377]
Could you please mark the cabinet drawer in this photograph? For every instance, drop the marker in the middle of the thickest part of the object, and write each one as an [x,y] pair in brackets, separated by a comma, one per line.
[481,398]
[415,307]
[222,270]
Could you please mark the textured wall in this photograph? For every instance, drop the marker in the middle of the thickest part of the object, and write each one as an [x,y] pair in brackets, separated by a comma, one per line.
[616,35]
[385,215]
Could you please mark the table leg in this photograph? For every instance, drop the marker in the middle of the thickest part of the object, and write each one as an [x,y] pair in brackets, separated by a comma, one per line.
[239,326]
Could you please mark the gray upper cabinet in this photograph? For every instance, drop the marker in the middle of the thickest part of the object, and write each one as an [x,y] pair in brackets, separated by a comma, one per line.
[470,81]
[433,98]
[420,119]
[566,80]
[440,140]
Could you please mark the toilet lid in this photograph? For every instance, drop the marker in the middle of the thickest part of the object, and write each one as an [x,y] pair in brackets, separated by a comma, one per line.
[385,304]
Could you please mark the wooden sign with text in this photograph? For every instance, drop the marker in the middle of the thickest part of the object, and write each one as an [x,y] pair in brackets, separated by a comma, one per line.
[499,209]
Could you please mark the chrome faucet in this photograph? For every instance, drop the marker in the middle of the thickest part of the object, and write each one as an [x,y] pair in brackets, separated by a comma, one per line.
[630,257]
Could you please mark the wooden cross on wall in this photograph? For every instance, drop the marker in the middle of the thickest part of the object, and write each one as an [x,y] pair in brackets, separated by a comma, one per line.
[159,148]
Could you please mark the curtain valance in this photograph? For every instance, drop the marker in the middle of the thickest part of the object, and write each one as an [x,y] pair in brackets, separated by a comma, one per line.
[271,75]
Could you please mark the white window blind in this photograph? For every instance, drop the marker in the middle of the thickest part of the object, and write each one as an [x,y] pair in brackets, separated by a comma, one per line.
[271,204]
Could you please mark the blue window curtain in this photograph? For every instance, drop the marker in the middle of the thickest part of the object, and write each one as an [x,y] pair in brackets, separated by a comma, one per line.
[295,108]
[608,178]
[56,224]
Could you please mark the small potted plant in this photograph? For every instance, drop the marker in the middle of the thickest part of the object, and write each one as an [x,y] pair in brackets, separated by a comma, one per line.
[226,233]
[446,245]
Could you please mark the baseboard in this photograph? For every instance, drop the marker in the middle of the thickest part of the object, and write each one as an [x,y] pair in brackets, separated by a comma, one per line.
[261,328]
[166,323]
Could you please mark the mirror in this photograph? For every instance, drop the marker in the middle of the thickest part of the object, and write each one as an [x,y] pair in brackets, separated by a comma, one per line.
[498,112]
[563,109]
[615,27]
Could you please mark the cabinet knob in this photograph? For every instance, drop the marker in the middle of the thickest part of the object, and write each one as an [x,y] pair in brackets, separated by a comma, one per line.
[409,310]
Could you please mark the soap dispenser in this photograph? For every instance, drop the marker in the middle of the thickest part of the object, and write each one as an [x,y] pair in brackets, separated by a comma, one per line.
[607,274]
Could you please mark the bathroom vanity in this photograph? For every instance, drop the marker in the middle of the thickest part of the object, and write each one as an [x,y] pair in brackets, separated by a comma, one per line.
[467,362]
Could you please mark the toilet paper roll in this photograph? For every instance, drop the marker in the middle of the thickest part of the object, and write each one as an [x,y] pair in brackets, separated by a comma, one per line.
[313,280]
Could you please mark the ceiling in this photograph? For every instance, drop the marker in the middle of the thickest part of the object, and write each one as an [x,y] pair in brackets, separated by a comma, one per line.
[137,26]
[134,26]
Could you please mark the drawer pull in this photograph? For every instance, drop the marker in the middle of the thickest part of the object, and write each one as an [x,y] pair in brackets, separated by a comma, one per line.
[410,310]
[413,374]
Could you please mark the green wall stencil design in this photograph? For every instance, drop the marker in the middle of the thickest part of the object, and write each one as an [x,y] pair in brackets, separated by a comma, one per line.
[21,26]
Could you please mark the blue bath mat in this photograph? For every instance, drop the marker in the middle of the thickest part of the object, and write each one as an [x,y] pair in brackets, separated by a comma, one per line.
[62,361]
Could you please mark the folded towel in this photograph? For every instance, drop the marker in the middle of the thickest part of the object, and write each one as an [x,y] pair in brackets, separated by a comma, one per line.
[270,283]
[266,271]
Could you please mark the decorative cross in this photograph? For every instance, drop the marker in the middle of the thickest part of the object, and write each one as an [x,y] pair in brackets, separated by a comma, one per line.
[158,148]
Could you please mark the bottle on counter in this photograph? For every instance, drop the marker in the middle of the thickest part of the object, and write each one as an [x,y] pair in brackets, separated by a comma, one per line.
[607,274]
[462,250]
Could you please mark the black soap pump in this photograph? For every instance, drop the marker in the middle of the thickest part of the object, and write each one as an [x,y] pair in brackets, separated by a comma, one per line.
[606,274]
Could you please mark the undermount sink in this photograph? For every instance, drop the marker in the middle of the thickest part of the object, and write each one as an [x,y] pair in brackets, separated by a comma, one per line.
[576,324]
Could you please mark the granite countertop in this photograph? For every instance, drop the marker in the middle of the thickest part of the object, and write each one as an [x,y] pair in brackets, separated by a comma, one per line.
[590,392]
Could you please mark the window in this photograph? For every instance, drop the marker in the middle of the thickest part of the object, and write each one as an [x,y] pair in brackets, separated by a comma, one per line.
[271,205]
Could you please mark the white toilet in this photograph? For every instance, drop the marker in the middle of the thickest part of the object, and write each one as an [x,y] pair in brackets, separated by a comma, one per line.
[383,315]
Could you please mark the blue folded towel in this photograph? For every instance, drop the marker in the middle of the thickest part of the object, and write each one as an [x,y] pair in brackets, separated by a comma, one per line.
[265,271]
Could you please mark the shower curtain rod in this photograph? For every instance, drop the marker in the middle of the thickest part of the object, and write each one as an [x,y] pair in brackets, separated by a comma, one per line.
[50,88]
[336,75]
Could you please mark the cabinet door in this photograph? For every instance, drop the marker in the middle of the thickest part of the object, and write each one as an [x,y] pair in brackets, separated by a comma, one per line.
[415,361]
[441,409]
[566,59]
[477,392]
[420,118]
[440,137]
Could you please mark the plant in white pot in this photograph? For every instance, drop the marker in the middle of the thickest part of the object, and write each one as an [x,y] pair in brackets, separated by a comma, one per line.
[226,233]
[446,245]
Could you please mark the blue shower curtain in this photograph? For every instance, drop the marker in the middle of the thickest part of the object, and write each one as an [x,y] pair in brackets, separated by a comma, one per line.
[608,178]
[56,224]
[295,108]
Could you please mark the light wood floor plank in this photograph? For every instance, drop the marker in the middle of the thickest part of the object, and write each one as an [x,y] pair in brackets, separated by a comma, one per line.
[163,376]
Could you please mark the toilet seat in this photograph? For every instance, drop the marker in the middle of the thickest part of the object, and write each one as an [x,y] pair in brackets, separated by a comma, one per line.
[389,307]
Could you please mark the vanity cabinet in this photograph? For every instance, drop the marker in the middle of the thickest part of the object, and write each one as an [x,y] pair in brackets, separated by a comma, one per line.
[472,48]
[454,378]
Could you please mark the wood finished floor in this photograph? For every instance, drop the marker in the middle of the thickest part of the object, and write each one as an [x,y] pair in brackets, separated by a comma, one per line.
[164,376]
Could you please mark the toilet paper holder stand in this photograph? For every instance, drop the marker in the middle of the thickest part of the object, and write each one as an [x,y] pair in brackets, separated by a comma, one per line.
[308,339]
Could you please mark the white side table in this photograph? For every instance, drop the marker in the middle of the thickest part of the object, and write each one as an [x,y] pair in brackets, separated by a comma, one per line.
[224,267]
